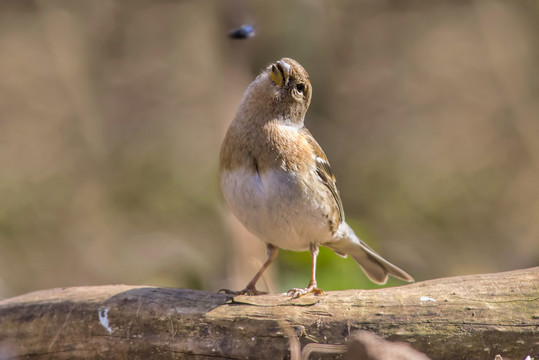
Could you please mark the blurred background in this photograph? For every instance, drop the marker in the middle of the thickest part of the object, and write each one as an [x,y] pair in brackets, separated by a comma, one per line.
[112,114]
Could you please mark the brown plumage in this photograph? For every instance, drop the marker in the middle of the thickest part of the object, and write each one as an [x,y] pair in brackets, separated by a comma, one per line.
[278,181]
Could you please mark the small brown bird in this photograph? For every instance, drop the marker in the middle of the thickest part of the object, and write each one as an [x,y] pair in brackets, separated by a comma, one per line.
[278,182]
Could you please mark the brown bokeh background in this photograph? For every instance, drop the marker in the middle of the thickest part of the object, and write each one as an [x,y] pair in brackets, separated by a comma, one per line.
[112,114]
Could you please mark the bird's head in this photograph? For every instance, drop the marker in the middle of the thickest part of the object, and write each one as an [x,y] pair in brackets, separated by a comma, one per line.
[285,89]
[292,86]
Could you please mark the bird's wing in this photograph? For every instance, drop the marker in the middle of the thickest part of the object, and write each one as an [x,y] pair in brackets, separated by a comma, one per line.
[323,170]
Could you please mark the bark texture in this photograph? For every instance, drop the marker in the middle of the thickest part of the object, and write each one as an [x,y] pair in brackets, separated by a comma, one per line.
[467,317]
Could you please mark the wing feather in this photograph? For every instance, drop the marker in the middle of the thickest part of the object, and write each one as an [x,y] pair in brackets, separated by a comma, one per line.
[323,170]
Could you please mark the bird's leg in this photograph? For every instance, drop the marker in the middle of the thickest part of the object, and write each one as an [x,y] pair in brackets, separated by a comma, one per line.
[250,289]
[312,288]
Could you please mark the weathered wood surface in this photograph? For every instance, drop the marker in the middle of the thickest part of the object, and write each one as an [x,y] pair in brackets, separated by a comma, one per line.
[468,317]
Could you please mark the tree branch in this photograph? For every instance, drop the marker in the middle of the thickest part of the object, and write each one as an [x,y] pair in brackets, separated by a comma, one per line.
[465,317]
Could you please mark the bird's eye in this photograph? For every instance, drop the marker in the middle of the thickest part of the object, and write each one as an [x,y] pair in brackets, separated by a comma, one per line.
[300,88]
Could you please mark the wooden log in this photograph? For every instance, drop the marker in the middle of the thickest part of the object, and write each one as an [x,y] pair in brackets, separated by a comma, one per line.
[467,317]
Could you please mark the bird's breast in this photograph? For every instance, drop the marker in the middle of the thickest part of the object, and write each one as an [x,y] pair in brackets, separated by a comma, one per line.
[273,206]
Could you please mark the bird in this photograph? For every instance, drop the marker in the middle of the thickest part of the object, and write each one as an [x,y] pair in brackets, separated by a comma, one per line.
[277,180]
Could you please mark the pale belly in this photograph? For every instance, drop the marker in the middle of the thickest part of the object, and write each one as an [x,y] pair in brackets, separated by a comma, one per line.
[276,208]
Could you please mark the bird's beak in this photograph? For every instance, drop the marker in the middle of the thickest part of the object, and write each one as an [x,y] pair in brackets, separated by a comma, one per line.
[279,73]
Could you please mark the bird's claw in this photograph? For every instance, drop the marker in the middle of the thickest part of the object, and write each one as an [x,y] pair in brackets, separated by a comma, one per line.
[296,293]
[250,291]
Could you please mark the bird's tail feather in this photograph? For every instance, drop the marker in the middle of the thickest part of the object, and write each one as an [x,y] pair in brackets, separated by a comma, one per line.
[376,267]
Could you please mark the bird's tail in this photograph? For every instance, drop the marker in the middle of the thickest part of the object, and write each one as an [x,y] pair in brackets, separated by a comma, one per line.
[376,267]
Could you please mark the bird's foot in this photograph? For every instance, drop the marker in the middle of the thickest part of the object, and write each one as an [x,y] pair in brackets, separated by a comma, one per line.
[249,290]
[311,289]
